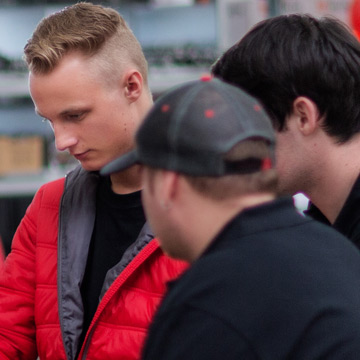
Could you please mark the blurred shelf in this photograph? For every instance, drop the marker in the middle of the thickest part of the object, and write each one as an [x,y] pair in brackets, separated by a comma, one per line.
[26,184]
[161,78]
[13,85]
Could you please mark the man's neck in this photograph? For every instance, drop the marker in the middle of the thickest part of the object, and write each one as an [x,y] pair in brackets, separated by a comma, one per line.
[126,182]
[333,183]
[210,218]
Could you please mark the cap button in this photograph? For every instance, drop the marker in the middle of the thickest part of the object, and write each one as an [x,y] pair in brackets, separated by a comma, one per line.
[206,77]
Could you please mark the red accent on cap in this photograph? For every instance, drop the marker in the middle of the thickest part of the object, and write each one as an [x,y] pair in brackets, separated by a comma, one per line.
[165,108]
[209,113]
[257,107]
[266,165]
[206,77]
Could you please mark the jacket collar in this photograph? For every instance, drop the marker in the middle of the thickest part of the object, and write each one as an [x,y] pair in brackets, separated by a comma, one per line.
[348,220]
[272,215]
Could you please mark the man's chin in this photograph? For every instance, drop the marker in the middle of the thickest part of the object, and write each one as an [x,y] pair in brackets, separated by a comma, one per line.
[90,167]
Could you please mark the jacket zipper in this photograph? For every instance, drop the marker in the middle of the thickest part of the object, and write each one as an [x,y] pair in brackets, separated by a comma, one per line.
[59,268]
[139,259]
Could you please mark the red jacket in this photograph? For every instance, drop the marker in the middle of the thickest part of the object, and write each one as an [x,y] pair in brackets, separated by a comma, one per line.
[40,301]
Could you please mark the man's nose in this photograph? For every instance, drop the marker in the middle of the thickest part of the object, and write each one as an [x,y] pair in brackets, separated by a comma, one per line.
[64,138]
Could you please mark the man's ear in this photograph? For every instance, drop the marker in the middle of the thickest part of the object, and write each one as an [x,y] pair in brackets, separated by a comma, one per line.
[133,82]
[307,115]
[169,188]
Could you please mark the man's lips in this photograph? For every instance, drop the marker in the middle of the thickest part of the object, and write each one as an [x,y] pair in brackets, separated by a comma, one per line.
[80,156]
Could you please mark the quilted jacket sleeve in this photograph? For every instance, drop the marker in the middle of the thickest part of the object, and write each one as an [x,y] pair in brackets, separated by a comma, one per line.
[17,289]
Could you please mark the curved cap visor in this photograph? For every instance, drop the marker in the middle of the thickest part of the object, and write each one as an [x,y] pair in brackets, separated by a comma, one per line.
[121,163]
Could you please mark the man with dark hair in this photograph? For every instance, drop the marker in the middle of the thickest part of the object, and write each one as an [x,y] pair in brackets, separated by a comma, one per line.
[306,73]
[265,282]
[85,273]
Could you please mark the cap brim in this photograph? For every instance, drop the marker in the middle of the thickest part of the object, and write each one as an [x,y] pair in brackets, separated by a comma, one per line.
[121,163]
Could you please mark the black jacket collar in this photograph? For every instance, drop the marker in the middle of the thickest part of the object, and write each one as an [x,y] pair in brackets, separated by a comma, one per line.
[348,220]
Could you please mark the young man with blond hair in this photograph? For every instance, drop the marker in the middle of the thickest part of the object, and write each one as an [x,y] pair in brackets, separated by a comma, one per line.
[265,282]
[85,273]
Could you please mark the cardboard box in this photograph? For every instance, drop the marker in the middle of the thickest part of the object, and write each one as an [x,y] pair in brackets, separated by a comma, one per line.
[21,154]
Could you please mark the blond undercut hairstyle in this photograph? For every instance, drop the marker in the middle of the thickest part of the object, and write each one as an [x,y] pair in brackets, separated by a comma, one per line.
[97,32]
[228,186]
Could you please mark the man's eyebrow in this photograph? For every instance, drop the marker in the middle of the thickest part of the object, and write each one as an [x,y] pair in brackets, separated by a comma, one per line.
[65,112]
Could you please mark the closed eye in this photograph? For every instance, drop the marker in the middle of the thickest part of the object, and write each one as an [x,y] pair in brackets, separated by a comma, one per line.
[73,116]
[70,116]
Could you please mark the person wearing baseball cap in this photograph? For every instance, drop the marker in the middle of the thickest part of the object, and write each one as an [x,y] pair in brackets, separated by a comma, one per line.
[260,285]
